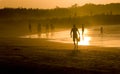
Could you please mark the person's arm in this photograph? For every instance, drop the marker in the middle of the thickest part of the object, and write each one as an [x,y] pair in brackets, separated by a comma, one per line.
[71,33]
[78,32]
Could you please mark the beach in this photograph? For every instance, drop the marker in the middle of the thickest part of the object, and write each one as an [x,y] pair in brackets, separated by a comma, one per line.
[39,40]
[40,56]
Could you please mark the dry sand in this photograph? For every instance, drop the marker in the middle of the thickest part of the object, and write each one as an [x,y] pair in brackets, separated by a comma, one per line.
[40,56]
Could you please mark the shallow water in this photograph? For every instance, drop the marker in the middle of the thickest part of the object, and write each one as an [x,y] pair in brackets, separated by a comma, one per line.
[92,36]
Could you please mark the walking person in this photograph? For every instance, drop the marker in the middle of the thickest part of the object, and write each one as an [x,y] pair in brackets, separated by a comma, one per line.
[75,34]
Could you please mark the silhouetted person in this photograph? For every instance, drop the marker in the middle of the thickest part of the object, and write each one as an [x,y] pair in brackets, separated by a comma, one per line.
[101,31]
[82,31]
[74,34]
[52,29]
[39,30]
[30,29]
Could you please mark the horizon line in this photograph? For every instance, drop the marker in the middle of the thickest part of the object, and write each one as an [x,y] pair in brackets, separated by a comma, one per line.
[56,6]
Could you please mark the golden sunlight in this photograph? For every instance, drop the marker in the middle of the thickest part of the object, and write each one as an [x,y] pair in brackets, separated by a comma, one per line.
[50,3]
[63,36]
[84,40]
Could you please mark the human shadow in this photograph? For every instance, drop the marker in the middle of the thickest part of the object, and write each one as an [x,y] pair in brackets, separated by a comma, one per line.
[75,52]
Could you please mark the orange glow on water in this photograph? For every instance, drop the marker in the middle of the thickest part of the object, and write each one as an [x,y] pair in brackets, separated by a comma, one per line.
[91,37]
[64,37]
[84,40]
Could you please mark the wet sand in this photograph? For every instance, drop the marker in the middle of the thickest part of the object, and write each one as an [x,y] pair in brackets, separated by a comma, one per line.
[39,56]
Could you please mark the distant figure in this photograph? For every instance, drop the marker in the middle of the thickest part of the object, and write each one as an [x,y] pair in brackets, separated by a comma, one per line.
[52,29]
[39,30]
[74,34]
[101,30]
[30,29]
[82,31]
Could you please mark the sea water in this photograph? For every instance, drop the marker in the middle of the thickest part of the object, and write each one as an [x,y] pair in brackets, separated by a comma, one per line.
[92,36]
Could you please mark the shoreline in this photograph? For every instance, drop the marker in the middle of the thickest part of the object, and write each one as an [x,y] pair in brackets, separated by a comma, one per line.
[37,42]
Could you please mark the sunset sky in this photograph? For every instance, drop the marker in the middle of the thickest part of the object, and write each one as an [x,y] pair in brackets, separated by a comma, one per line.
[50,3]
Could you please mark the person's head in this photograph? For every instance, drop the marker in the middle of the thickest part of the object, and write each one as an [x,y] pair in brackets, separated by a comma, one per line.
[74,25]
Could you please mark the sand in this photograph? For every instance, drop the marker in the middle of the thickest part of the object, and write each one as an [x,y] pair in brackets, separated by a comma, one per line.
[40,56]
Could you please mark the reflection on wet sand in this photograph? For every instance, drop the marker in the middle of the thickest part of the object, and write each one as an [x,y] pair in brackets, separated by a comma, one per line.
[90,38]
[64,37]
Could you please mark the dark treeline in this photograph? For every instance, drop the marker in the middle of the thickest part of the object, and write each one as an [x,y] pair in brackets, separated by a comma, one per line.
[85,10]
[87,14]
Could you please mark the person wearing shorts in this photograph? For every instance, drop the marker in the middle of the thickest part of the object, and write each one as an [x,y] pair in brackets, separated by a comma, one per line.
[74,34]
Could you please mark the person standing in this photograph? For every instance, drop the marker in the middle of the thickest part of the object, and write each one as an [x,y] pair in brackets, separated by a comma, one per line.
[39,30]
[52,29]
[74,34]
[101,30]
[83,31]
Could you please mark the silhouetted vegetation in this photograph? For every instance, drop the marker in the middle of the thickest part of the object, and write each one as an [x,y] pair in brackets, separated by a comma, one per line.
[85,10]
[89,14]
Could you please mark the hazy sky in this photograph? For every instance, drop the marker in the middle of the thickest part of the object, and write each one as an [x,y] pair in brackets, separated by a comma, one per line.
[50,3]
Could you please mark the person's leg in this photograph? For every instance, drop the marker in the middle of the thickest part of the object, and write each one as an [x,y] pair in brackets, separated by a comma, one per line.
[77,42]
[74,40]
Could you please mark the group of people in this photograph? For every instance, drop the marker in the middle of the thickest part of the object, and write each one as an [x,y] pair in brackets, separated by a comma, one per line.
[48,28]
[75,34]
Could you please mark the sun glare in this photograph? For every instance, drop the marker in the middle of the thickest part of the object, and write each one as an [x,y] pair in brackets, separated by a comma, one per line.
[64,37]
[84,40]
